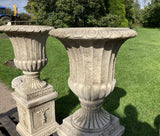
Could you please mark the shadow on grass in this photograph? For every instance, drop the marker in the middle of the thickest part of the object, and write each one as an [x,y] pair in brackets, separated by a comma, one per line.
[46,79]
[111,102]
[157,124]
[133,127]
[65,105]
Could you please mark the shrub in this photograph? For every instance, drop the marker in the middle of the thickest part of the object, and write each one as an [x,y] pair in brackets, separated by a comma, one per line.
[117,7]
[1,22]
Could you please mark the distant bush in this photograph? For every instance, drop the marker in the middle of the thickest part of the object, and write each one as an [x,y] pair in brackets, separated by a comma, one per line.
[80,13]
[1,22]
[151,14]
[110,20]
[24,17]
[117,7]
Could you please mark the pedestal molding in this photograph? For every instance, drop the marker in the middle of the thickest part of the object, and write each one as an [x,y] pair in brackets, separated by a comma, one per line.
[35,102]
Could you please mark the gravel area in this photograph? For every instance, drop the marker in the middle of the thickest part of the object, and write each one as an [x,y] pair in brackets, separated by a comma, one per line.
[6,101]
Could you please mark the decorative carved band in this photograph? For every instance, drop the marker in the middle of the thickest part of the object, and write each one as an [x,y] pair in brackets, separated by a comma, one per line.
[31,66]
[25,29]
[91,120]
[95,91]
[40,92]
[93,33]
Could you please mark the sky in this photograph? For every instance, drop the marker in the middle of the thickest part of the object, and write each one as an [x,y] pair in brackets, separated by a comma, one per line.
[142,3]
[19,3]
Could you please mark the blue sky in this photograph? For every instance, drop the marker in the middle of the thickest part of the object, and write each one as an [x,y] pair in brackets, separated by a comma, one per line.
[19,3]
[143,3]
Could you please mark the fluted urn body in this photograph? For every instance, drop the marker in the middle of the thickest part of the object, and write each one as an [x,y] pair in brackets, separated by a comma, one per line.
[92,53]
[30,55]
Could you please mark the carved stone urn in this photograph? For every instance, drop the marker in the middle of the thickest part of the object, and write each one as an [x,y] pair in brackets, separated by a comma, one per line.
[34,97]
[92,53]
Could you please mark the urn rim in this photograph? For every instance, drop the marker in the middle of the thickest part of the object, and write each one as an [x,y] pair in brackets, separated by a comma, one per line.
[94,33]
[25,28]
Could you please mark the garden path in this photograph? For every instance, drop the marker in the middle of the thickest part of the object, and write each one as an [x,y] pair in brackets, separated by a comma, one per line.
[6,101]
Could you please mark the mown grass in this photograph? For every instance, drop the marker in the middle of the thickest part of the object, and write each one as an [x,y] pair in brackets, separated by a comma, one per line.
[136,98]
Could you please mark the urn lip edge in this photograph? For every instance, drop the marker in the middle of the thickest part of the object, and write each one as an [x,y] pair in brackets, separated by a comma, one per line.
[95,33]
[25,28]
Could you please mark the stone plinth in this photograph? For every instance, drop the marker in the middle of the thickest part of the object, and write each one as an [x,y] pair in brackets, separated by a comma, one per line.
[34,97]
[92,53]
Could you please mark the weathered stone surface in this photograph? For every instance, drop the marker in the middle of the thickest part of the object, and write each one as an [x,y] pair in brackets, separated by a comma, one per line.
[34,97]
[113,129]
[36,117]
[30,55]
[92,53]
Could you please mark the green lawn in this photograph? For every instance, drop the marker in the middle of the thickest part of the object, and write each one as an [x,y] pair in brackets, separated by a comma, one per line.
[136,98]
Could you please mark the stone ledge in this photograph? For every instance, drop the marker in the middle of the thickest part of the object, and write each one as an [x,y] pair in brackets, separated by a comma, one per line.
[36,101]
[46,131]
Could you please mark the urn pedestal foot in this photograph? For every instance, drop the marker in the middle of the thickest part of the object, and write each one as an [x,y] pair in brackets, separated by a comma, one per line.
[36,116]
[67,129]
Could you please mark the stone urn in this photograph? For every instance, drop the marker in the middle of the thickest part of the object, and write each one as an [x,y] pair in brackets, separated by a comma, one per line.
[34,97]
[92,53]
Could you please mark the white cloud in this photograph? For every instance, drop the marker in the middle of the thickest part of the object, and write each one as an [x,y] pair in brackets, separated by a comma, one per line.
[19,3]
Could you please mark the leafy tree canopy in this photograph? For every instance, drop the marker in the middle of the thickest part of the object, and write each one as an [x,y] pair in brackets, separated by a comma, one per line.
[40,9]
[130,16]
[117,7]
[151,14]
[78,13]
[75,13]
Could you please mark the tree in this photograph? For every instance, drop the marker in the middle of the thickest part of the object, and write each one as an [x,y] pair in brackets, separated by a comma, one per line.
[62,16]
[81,13]
[117,7]
[24,16]
[137,12]
[74,13]
[9,11]
[94,11]
[151,14]
[155,13]
[129,11]
[40,9]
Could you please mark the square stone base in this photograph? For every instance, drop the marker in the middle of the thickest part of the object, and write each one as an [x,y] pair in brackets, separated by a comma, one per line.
[37,116]
[114,129]
[46,131]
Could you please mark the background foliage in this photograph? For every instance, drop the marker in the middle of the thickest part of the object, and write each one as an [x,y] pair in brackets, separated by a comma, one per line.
[117,7]
[151,14]
[39,9]
[130,15]
[92,13]
[95,13]
[82,13]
